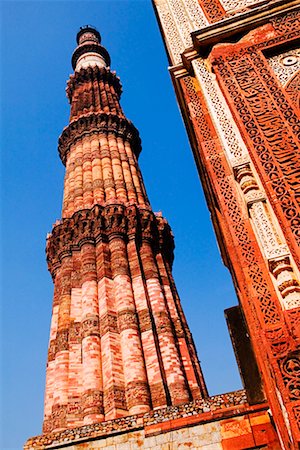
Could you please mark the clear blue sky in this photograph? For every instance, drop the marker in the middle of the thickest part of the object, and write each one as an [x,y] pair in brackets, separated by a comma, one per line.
[37,42]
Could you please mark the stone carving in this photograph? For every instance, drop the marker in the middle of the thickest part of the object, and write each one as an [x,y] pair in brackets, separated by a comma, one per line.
[115,220]
[233,144]
[290,367]
[127,319]
[147,221]
[213,10]
[266,302]
[246,78]
[137,393]
[174,42]
[90,326]
[163,323]
[62,340]
[92,402]
[91,74]
[145,322]
[272,244]
[238,5]
[100,223]
[278,339]
[196,14]
[287,282]
[287,23]
[96,124]
[52,350]
[108,322]
[267,233]
[181,18]
[114,397]
[292,89]
[285,65]
[75,332]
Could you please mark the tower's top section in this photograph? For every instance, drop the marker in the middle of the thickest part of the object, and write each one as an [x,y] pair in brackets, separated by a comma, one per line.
[89,51]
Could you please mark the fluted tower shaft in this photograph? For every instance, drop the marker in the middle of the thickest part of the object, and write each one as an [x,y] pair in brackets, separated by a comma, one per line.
[119,341]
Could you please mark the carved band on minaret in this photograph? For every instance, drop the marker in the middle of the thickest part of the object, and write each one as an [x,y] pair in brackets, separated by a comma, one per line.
[96,124]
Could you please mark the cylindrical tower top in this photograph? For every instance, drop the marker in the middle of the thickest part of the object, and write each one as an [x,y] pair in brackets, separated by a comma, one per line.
[88,33]
[89,51]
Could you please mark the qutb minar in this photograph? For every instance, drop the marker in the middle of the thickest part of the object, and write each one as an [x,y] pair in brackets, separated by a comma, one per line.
[119,342]
[122,368]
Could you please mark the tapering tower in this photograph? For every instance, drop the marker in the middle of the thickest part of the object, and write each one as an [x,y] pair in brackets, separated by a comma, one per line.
[119,341]
[235,68]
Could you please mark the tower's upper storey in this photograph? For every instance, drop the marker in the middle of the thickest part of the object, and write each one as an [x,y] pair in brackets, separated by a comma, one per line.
[93,88]
[100,145]
[89,51]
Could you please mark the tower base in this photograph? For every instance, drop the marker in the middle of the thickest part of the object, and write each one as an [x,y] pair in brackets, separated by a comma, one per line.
[222,422]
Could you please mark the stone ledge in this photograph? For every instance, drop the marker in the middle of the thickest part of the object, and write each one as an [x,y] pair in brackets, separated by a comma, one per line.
[155,422]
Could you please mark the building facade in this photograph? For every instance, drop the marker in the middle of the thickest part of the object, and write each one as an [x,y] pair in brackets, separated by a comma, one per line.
[122,369]
[235,68]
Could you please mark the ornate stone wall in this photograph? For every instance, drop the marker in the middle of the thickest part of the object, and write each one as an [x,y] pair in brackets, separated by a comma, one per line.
[240,101]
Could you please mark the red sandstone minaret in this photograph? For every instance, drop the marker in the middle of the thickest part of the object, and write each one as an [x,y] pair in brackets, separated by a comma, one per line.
[119,341]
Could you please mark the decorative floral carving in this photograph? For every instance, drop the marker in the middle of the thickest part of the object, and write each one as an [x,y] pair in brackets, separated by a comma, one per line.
[292,89]
[290,367]
[278,339]
[287,23]
[238,5]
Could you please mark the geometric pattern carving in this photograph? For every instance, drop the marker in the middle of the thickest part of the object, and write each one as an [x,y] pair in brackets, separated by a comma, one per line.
[265,298]
[174,41]
[285,65]
[232,5]
[233,144]
[213,10]
[181,18]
